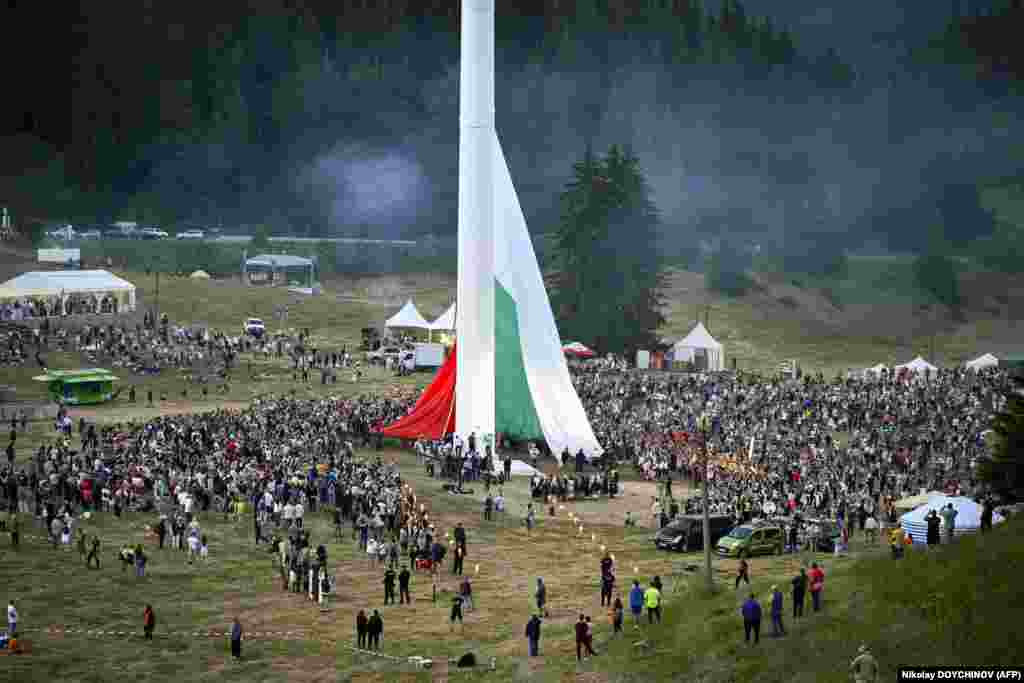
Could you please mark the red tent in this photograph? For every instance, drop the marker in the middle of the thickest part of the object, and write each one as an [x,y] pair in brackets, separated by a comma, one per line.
[433,416]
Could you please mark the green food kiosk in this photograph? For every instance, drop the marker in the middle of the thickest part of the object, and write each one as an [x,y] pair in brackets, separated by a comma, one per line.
[79,387]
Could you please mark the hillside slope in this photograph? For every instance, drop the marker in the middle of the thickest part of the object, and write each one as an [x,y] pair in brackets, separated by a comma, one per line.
[956,606]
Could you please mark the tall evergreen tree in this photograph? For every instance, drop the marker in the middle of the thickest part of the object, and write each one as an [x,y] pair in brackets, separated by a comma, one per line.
[1003,471]
[609,257]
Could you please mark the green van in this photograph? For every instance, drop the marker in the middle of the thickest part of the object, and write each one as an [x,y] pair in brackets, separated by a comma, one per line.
[752,539]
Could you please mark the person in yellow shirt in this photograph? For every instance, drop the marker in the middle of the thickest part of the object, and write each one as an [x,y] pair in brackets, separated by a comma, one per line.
[896,542]
[652,601]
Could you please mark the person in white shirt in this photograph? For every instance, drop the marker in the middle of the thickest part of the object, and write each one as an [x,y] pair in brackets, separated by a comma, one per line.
[298,513]
[12,619]
[499,502]
[288,514]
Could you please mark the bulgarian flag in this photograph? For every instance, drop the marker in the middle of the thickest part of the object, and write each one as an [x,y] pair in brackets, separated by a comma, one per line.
[534,397]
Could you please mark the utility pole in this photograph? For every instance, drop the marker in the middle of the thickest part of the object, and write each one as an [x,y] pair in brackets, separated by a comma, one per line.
[704,430]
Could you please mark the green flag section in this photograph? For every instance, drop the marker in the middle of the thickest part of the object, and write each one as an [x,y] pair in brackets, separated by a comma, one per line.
[514,412]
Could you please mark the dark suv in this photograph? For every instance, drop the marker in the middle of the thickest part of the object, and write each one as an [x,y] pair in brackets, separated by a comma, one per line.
[686,533]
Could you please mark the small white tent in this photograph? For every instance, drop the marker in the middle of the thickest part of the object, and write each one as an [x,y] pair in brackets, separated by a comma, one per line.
[446,321]
[408,317]
[981,362]
[917,365]
[700,341]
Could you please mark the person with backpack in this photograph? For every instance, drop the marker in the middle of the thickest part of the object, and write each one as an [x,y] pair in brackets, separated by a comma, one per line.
[533,635]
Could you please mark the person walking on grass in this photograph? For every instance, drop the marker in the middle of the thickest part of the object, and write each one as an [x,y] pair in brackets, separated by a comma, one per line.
[542,597]
[742,573]
[389,586]
[949,514]
[362,626]
[15,530]
[817,578]
[12,619]
[636,603]
[652,601]
[751,611]
[864,668]
[533,635]
[582,643]
[148,622]
[456,614]
[236,640]
[617,615]
[403,586]
[778,630]
[94,553]
[374,630]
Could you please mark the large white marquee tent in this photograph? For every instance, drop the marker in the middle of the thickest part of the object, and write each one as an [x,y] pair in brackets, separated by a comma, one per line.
[446,321]
[700,342]
[968,518]
[409,316]
[93,290]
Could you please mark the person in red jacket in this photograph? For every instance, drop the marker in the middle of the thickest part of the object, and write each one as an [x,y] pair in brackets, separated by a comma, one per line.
[148,622]
[817,577]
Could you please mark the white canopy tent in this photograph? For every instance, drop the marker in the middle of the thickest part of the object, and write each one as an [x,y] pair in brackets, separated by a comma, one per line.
[408,317]
[968,518]
[875,371]
[700,341]
[446,321]
[71,291]
[917,365]
[987,360]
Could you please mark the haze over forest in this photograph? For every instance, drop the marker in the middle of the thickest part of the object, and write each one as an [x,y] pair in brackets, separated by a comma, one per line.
[323,119]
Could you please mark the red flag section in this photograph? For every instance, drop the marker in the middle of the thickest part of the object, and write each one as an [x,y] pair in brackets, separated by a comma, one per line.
[434,414]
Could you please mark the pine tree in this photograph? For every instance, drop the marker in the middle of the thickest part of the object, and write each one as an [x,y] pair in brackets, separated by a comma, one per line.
[1004,470]
[607,250]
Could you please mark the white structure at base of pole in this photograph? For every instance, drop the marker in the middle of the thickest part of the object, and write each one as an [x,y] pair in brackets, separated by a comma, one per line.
[475,392]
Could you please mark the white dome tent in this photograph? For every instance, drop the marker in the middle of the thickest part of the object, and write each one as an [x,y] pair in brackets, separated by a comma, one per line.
[408,317]
[918,365]
[987,360]
[968,518]
[700,342]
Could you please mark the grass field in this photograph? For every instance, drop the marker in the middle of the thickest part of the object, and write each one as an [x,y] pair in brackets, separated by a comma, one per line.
[53,589]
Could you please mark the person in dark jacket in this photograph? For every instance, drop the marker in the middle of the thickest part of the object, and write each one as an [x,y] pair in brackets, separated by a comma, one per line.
[582,640]
[799,592]
[403,586]
[542,597]
[986,515]
[361,626]
[778,629]
[752,619]
[236,639]
[374,630]
[933,522]
[389,586]
[533,635]
[148,622]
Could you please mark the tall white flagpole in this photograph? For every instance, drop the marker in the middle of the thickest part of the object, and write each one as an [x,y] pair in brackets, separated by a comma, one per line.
[474,388]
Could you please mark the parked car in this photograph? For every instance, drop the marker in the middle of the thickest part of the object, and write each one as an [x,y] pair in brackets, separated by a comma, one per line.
[384,354]
[152,234]
[90,235]
[254,327]
[686,533]
[753,539]
[191,235]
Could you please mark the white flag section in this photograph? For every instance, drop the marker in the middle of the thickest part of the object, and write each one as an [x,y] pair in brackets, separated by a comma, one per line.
[557,407]
[474,397]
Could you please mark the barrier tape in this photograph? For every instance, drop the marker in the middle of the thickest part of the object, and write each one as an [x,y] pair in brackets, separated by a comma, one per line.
[249,635]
